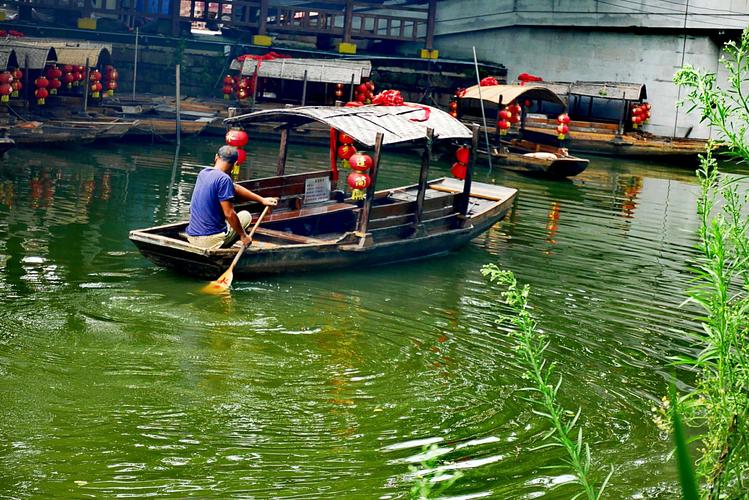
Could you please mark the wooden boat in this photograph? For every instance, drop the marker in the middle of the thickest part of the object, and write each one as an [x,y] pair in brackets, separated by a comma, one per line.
[105,128]
[6,143]
[316,227]
[601,123]
[166,128]
[519,150]
[34,132]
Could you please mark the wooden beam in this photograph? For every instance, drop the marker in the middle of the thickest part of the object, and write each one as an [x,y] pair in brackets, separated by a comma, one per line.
[262,28]
[426,157]
[347,21]
[469,171]
[367,208]
[283,149]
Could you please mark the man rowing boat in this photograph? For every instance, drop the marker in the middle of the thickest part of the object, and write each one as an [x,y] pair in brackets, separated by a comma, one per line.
[213,221]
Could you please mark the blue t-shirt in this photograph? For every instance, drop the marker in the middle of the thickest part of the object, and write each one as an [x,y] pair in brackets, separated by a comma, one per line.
[206,215]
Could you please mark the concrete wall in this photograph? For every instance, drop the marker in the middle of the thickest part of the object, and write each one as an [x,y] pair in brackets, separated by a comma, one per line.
[458,16]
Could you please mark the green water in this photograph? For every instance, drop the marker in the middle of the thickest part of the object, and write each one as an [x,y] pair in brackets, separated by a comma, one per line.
[120,379]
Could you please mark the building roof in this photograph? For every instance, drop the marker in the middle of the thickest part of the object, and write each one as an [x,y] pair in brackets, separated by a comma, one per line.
[397,123]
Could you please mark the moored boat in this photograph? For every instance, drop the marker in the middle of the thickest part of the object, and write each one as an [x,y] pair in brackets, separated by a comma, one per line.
[317,227]
[519,149]
[6,143]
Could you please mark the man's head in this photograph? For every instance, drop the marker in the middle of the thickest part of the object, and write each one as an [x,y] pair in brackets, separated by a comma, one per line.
[226,157]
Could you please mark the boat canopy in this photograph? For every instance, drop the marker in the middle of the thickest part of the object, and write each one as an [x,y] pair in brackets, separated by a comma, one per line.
[316,70]
[41,52]
[32,55]
[397,123]
[602,90]
[505,94]
[8,59]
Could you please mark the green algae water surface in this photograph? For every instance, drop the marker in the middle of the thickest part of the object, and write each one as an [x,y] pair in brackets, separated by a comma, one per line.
[119,379]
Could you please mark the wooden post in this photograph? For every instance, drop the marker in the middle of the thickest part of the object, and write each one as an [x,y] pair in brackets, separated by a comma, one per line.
[262,26]
[254,86]
[174,6]
[135,62]
[26,89]
[469,171]
[178,122]
[85,91]
[348,21]
[304,89]
[426,157]
[283,148]
[620,130]
[367,208]
[431,15]
[351,92]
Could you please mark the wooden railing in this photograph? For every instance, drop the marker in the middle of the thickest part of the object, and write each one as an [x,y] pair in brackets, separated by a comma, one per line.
[340,18]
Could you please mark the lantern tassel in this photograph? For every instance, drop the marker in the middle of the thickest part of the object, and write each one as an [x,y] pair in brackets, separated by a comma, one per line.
[358,194]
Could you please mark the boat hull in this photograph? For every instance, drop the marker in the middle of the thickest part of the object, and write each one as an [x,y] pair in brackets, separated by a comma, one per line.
[434,237]
[5,145]
[559,167]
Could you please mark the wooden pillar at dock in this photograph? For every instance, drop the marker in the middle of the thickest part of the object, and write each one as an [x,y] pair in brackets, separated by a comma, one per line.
[431,15]
[426,158]
[463,207]
[174,16]
[283,149]
[368,200]
[262,22]
[304,89]
[88,85]
[348,17]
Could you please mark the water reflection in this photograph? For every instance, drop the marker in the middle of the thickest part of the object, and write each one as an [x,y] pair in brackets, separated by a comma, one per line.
[328,383]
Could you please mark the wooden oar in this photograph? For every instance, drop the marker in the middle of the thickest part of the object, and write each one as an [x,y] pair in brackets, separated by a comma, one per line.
[223,283]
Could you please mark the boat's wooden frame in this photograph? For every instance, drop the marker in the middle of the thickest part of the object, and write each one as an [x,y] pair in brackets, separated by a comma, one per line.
[410,222]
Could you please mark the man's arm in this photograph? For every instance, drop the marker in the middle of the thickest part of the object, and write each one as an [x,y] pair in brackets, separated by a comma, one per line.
[231,217]
[247,195]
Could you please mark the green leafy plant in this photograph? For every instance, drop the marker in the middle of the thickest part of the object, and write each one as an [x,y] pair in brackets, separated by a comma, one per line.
[531,345]
[718,406]
[430,481]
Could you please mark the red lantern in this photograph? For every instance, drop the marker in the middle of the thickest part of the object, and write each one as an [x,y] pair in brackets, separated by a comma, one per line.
[370,85]
[459,170]
[5,91]
[227,91]
[94,76]
[77,78]
[453,106]
[362,88]
[17,74]
[505,114]
[454,114]
[17,86]
[339,93]
[242,94]
[41,94]
[54,85]
[111,87]
[241,156]
[53,72]
[360,98]
[463,154]
[68,68]
[563,118]
[359,182]
[360,162]
[41,83]
[96,89]
[6,77]
[503,126]
[228,80]
[339,86]
[68,79]
[346,151]
[237,138]
[112,74]
[345,138]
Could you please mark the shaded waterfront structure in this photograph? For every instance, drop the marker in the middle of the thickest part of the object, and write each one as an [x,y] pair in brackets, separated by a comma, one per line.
[341,23]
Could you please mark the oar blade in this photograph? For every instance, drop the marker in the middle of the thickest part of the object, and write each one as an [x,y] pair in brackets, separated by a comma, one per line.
[221,285]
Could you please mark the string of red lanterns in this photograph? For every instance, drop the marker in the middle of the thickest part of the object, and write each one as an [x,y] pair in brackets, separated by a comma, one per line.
[563,128]
[460,167]
[640,114]
[358,180]
[6,88]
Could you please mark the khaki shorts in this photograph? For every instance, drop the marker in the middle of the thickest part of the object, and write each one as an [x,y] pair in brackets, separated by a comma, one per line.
[213,241]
